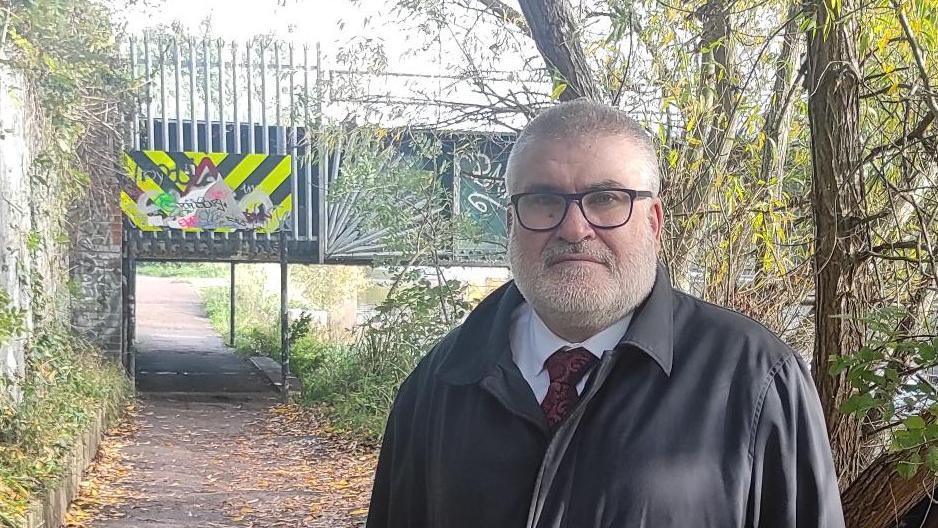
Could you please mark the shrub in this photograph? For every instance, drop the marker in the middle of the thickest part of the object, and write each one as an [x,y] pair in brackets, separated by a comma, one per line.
[257,314]
[358,383]
[355,383]
[66,382]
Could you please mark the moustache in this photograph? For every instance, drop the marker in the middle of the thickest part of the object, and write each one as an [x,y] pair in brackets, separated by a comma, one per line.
[597,251]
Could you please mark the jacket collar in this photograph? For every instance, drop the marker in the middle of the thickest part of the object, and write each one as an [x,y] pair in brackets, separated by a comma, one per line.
[482,341]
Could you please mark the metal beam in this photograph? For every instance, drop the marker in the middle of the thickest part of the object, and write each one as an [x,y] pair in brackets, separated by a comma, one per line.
[193,127]
[148,70]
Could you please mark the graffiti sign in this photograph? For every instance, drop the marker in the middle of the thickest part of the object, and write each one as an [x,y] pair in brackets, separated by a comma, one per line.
[480,186]
[195,191]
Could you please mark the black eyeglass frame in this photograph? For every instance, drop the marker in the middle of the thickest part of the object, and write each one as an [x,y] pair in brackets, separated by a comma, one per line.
[578,198]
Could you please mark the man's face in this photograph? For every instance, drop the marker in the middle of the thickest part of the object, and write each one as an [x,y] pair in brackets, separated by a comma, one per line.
[577,269]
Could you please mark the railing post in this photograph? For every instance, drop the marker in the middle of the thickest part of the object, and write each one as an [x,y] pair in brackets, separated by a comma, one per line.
[231,307]
[284,320]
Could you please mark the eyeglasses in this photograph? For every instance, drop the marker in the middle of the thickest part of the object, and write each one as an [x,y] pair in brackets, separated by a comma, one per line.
[603,208]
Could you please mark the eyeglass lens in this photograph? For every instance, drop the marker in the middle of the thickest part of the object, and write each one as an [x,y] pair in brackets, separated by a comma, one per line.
[607,208]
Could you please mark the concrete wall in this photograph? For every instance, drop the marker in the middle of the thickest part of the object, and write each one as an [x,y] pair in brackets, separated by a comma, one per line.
[60,244]
[18,143]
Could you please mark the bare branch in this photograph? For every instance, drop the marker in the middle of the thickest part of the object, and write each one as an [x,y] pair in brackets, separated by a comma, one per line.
[506,13]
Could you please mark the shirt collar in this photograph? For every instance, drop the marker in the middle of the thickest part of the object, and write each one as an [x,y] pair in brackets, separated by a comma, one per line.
[538,341]
[483,339]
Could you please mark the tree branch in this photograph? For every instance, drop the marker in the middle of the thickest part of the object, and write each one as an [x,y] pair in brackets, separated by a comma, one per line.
[555,35]
[915,134]
[917,54]
[507,14]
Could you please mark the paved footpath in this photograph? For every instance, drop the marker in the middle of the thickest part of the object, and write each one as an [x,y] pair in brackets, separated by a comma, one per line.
[207,443]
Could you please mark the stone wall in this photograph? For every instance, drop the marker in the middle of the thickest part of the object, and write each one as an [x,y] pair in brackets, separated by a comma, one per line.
[96,262]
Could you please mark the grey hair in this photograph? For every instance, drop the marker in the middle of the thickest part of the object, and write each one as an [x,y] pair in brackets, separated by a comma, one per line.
[583,117]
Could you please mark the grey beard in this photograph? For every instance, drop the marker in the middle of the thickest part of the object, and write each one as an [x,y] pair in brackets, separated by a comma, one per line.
[572,298]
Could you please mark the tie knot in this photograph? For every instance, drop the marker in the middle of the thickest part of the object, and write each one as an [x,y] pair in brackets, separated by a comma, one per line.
[569,365]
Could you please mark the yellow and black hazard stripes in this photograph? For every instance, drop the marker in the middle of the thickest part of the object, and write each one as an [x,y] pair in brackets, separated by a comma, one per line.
[168,177]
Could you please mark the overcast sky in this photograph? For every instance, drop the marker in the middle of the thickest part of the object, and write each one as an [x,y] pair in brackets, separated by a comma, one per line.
[342,24]
[330,22]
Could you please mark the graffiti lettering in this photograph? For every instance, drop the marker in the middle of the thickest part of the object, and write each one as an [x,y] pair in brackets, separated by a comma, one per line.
[258,216]
[200,204]
[475,164]
[482,202]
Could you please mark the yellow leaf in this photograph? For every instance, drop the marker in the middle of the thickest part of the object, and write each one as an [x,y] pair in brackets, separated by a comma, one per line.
[558,90]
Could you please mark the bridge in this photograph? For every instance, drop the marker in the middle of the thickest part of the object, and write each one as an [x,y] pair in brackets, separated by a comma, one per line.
[230,159]
[229,151]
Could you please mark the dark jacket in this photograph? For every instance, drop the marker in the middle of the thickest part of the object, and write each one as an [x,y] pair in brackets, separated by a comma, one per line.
[700,417]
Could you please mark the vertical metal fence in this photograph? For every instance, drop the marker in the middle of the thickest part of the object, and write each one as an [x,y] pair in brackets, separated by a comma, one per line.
[203,95]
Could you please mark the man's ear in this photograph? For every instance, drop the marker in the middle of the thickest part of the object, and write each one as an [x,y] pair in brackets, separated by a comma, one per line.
[656,216]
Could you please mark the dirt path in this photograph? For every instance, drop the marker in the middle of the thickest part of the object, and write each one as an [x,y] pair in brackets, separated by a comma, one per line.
[178,350]
[207,444]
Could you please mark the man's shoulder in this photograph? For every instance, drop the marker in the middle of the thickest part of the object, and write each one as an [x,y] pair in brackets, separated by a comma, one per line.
[727,332]
[440,351]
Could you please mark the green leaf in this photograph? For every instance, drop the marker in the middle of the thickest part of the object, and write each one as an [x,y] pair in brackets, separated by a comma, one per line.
[931,432]
[915,422]
[869,354]
[928,353]
[932,459]
[838,364]
[909,438]
[906,469]
[858,403]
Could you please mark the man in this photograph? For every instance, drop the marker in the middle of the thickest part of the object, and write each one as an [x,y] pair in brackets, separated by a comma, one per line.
[588,392]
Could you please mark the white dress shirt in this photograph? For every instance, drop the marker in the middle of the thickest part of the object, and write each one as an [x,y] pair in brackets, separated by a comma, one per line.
[532,343]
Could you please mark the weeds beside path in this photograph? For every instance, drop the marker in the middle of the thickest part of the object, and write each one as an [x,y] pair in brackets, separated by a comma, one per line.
[216,463]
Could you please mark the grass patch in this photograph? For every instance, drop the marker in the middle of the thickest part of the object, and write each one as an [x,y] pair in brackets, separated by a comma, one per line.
[257,317]
[334,378]
[67,382]
[353,383]
[184,269]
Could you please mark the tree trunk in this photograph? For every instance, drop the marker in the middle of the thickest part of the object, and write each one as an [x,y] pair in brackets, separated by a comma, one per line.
[834,113]
[556,36]
[879,497]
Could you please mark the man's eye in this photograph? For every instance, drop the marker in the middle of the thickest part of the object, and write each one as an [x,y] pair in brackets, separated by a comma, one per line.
[545,199]
[604,198]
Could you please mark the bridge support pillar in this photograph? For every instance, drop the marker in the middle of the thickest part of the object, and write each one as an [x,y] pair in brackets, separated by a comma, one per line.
[284,320]
[231,307]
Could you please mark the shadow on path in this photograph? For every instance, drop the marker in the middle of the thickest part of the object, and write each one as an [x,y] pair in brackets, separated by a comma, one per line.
[178,350]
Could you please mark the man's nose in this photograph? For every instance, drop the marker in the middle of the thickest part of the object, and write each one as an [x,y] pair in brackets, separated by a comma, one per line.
[574,227]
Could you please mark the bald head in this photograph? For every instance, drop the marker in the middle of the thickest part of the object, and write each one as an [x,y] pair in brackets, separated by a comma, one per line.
[583,118]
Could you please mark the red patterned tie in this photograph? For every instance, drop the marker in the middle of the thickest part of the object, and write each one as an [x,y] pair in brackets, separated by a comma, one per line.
[566,368]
